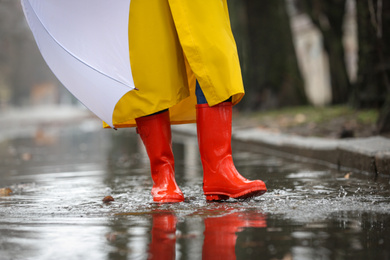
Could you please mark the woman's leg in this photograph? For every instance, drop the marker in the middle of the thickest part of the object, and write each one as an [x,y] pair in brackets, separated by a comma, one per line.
[155,132]
[221,180]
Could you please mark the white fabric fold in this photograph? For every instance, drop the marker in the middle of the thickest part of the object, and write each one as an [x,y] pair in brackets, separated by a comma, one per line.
[85,43]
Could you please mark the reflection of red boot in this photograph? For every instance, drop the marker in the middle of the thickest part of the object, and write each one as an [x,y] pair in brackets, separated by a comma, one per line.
[163,241]
[220,233]
[155,132]
[221,180]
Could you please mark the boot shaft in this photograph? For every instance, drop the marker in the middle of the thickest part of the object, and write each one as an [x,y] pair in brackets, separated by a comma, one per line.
[155,133]
[214,128]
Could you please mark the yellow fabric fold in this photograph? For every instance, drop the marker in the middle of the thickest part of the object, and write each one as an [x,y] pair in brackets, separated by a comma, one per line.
[172,43]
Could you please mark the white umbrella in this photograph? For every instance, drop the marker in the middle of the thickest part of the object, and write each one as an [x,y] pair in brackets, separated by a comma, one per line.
[85,43]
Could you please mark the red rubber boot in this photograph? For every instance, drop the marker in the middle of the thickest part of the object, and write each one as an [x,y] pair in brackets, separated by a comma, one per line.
[221,180]
[155,132]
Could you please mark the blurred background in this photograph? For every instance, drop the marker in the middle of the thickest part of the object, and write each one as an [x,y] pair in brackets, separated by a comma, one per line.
[307,54]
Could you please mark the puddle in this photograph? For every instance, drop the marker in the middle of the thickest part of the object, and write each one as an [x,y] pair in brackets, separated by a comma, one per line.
[59,177]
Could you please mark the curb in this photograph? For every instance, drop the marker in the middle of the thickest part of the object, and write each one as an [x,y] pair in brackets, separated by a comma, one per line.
[367,155]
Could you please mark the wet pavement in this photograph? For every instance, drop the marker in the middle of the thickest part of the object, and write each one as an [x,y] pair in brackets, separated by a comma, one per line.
[59,175]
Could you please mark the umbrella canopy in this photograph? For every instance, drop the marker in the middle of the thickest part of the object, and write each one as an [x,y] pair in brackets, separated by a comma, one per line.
[85,43]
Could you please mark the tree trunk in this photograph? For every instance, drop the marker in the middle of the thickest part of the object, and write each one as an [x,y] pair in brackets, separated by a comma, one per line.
[270,69]
[328,17]
[373,86]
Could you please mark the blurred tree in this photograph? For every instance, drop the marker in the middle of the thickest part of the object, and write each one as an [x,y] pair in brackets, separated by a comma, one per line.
[21,64]
[11,41]
[328,16]
[372,88]
[373,84]
[264,39]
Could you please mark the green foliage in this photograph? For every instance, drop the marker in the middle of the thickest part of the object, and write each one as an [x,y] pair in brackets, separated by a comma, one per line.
[319,114]
[330,122]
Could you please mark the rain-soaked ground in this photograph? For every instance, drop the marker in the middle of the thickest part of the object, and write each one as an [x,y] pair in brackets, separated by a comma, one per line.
[60,174]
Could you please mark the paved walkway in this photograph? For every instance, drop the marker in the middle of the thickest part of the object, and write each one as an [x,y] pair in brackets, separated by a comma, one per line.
[18,122]
[369,155]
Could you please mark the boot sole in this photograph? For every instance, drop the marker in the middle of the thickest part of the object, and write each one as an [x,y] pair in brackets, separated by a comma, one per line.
[169,200]
[246,195]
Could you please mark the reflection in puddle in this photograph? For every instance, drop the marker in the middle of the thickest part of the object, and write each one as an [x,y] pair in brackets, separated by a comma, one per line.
[220,226]
[163,241]
[59,177]
[220,234]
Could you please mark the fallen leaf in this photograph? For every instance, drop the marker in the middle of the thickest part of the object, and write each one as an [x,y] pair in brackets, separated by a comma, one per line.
[5,192]
[107,199]
[346,176]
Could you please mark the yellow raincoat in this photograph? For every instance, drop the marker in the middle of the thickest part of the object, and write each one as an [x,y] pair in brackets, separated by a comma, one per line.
[172,43]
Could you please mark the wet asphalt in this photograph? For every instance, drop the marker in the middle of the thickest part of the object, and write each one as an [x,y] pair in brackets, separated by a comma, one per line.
[60,173]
